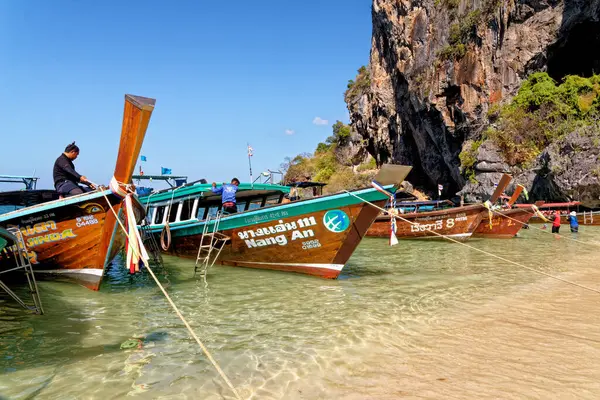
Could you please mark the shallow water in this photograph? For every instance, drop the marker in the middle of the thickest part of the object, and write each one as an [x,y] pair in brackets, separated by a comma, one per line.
[397,323]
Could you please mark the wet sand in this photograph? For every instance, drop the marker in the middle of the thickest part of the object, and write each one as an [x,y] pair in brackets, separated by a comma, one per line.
[539,343]
[422,320]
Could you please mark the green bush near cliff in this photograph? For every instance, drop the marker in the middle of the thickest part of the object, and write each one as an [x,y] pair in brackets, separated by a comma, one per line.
[323,165]
[468,158]
[464,31]
[543,112]
[359,86]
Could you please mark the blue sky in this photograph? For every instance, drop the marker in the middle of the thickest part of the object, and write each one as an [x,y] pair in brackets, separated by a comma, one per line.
[223,74]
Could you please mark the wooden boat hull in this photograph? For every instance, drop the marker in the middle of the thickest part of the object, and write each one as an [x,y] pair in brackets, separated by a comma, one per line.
[457,223]
[302,236]
[502,227]
[70,239]
[76,237]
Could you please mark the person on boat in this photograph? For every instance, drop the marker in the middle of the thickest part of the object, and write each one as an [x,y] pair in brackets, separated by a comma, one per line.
[227,192]
[574,224]
[556,222]
[66,179]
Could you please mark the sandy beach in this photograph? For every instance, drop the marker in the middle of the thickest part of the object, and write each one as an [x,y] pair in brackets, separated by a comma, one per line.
[541,342]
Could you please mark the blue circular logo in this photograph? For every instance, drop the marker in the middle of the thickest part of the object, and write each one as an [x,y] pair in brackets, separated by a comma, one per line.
[336,221]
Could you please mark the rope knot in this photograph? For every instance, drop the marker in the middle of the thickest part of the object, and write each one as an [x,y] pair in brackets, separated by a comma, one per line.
[121,189]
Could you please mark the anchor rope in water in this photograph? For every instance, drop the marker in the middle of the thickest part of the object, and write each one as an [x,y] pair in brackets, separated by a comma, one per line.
[176,309]
[480,250]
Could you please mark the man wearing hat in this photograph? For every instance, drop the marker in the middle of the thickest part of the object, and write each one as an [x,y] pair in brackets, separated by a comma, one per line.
[573,222]
[66,179]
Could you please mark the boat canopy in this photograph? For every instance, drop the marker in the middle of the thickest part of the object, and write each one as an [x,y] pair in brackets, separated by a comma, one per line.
[204,190]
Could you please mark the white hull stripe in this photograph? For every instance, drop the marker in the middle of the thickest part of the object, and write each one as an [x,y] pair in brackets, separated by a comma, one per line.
[85,271]
[335,267]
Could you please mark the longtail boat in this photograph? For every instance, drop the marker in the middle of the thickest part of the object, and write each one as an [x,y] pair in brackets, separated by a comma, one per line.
[455,222]
[505,223]
[436,219]
[315,236]
[76,237]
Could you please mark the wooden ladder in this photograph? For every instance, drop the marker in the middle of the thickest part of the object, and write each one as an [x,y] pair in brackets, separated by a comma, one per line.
[208,253]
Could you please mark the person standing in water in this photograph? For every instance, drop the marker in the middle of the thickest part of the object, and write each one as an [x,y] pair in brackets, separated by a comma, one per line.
[556,222]
[574,224]
[227,192]
[66,179]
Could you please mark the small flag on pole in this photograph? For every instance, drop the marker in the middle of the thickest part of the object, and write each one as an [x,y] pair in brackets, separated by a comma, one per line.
[250,151]
[165,171]
[379,187]
[144,158]
[393,238]
[440,188]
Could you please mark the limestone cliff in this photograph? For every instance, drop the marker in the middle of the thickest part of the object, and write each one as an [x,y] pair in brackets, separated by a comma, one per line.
[438,66]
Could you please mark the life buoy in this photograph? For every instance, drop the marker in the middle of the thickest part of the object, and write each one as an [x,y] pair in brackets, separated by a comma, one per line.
[165,238]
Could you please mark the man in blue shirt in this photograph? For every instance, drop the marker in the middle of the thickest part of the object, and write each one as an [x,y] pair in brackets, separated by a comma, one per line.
[227,192]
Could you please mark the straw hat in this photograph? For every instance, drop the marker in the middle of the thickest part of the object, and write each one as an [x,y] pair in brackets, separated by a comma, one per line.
[573,213]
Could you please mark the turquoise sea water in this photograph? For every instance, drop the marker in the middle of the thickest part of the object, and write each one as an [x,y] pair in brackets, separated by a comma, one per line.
[276,335]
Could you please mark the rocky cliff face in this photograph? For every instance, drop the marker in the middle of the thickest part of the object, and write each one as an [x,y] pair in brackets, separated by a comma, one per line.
[436,68]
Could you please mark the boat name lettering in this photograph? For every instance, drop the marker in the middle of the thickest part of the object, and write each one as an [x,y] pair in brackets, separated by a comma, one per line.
[86,220]
[40,227]
[50,238]
[311,244]
[279,239]
[437,225]
[265,217]
[279,228]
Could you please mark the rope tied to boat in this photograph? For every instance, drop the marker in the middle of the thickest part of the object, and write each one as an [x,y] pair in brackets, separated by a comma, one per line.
[480,250]
[539,213]
[187,325]
[121,189]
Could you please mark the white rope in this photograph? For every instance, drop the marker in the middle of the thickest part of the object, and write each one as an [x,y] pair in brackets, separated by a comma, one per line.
[187,325]
[479,250]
